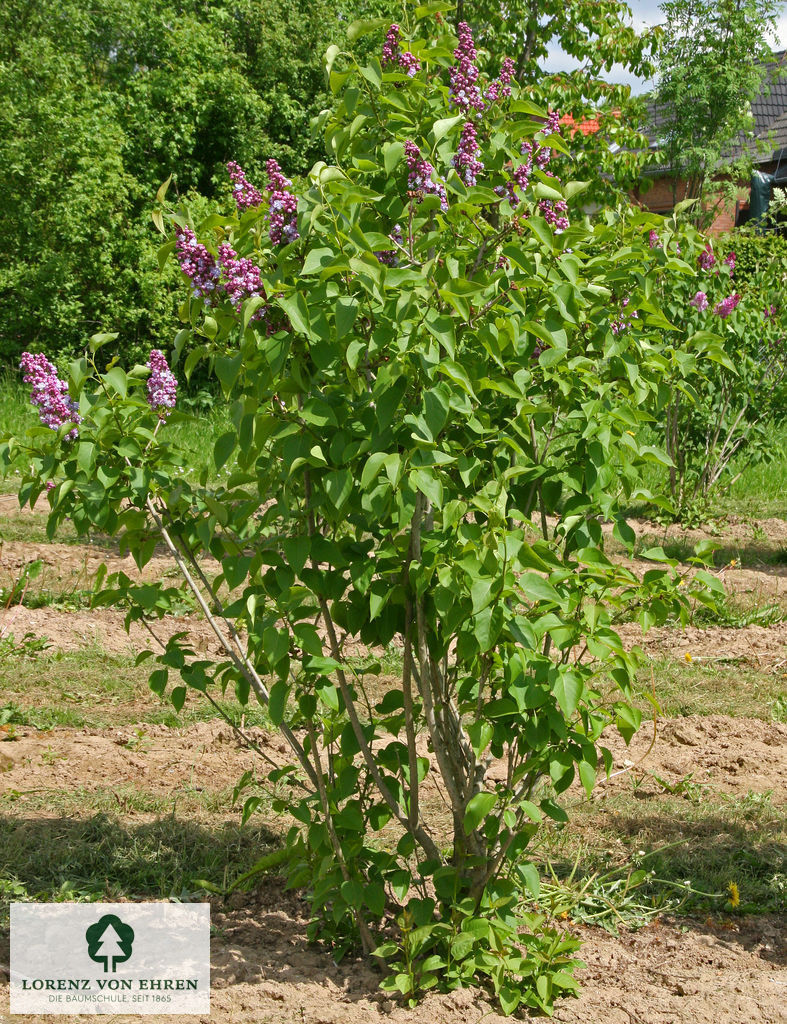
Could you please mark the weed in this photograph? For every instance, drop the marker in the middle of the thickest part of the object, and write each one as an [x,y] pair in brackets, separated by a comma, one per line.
[686,787]
[691,849]
[731,612]
[779,708]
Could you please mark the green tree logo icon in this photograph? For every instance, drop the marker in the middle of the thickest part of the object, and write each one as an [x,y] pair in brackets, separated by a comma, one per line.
[109,941]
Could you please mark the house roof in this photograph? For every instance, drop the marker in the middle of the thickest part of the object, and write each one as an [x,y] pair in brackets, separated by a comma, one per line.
[587,127]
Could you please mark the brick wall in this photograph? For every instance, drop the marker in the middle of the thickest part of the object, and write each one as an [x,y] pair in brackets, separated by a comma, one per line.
[660,198]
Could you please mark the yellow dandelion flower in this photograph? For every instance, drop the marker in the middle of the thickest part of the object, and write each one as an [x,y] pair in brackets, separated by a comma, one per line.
[688,657]
[735,896]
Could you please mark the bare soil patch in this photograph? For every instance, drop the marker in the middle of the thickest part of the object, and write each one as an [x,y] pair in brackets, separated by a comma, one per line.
[756,645]
[729,755]
[75,630]
[692,972]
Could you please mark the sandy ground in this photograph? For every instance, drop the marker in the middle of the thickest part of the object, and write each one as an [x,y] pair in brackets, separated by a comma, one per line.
[686,972]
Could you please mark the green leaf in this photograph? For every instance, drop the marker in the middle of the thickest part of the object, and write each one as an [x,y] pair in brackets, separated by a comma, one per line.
[116,378]
[442,127]
[223,448]
[509,999]
[315,260]
[428,484]
[477,809]
[531,878]
[568,689]
[363,26]
[338,487]
[392,155]
[480,734]
[162,190]
[278,701]
[297,311]
[227,371]
[536,588]
[587,776]
[97,340]
[372,468]
[345,314]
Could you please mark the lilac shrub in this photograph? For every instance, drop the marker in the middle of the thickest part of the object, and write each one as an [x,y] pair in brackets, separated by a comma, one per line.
[431,417]
[733,394]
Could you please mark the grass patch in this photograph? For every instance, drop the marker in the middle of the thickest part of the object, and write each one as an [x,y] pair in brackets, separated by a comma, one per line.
[30,528]
[102,857]
[94,689]
[710,688]
[759,492]
[184,799]
[691,849]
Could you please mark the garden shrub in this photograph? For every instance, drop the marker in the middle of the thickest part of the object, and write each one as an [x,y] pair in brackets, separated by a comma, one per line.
[725,401]
[438,371]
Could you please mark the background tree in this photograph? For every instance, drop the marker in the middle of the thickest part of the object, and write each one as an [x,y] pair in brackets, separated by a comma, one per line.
[102,102]
[598,34]
[713,60]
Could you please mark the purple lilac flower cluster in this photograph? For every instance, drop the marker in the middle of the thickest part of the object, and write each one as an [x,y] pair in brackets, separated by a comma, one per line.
[282,206]
[467,161]
[700,302]
[653,239]
[624,319]
[706,258]
[729,259]
[392,56]
[501,87]
[390,257]
[241,278]
[420,180]
[554,213]
[49,393]
[520,176]
[197,264]
[246,195]
[540,155]
[162,385]
[726,306]
[465,92]
[552,124]
[769,312]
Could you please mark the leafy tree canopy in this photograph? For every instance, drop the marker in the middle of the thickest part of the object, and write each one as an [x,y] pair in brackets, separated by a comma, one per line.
[102,102]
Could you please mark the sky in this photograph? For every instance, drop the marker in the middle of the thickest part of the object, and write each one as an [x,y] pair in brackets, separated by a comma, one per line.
[645,13]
